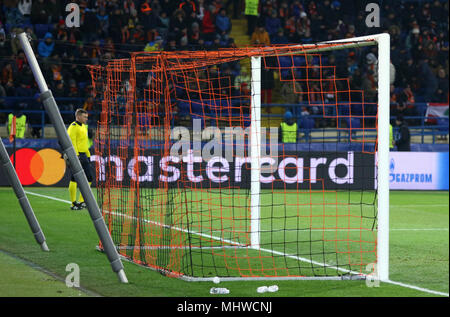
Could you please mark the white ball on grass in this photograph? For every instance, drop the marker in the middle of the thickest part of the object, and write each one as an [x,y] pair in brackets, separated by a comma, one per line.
[216,280]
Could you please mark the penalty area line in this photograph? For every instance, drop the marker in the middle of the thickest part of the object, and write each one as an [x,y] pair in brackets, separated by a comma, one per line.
[424,290]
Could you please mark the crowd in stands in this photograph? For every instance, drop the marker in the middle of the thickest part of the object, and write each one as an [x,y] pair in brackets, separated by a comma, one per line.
[114,28]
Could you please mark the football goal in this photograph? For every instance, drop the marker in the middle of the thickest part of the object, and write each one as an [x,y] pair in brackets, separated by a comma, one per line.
[248,163]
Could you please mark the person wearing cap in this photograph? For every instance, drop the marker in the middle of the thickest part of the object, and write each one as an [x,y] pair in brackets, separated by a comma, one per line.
[288,129]
[402,137]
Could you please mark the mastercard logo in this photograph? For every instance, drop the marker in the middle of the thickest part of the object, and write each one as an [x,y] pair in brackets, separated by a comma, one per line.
[45,166]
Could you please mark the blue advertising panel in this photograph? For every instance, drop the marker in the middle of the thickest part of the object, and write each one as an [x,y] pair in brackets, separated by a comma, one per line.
[419,170]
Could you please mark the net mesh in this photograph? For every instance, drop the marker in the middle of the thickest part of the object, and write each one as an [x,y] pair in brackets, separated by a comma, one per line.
[174,162]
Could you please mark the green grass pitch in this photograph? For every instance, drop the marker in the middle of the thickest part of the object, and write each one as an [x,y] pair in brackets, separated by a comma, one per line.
[419,249]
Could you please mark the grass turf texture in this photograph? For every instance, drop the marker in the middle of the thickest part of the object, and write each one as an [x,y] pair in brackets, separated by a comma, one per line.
[19,280]
[418,257]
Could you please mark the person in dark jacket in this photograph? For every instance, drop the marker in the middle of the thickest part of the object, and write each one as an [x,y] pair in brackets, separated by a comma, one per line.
[402,136]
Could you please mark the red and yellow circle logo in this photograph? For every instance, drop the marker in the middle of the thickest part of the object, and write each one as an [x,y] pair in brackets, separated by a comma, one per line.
[45,166]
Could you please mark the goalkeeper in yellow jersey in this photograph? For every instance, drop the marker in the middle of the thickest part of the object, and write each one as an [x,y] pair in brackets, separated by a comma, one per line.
[78,133]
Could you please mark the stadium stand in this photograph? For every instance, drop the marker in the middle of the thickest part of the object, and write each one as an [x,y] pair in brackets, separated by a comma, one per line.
[113,29]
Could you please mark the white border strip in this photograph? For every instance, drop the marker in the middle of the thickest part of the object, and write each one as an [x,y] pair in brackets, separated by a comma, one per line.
[424,290]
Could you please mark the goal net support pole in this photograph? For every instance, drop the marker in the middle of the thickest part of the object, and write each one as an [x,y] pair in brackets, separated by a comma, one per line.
[75,165]
[22,197]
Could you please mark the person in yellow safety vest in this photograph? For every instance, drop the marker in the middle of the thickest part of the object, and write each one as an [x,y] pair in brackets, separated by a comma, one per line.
[78,133]
[21,124]
[288,129]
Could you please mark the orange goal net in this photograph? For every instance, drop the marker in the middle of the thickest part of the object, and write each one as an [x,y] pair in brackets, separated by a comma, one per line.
[254,162]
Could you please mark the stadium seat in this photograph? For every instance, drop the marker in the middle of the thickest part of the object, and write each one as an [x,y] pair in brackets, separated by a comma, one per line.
[306,125]
[40,30]
[353,123]
[183,108]
[247,120]
[225,108]
[299,61]
[357,109]
[443,125]
[198,108]
[285,73]
[343,109]
[143,119]
[285,61]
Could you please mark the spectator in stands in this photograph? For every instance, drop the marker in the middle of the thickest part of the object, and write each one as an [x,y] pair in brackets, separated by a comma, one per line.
[428,80]
[284,11]
[55,11]
[223,25]
[207,27]
[103,20]
[73,89]
[7,74]
[5,46]
[163,24]
[116,24]
[228,80]
[59,90]
[89,104]
[171,45]
[402,135]
[40,12]
[155,45]
[178,23]
[272,23]
[404,109]
[149,18]
[288,130]
[280,38]
[419,37]
[370,78]
[15,44]
[13,17]
[194,34]
[46,46]
[290,90]
[442,90]
[242,83]
[188,6]
[184,40]
[267,81]
[24,7]
[31,35]
[237,5]
[260,37]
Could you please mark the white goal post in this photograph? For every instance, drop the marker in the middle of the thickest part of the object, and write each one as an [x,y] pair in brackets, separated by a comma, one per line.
[382,155]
